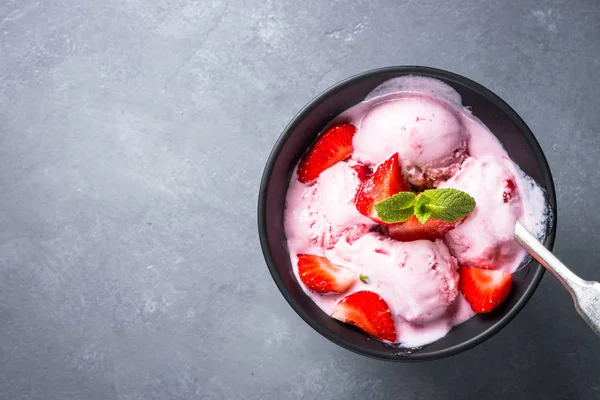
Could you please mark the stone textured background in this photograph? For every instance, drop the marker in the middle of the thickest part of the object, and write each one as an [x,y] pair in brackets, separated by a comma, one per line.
[133,135]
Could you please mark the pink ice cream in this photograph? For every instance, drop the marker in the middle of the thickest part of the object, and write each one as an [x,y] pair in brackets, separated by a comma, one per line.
[440,144]
[427,134]
[395,269]
[486,238]
[324,212]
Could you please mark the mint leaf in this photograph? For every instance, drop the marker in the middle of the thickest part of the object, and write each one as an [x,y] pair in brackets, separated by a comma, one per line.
[364,278]
[397,208]
[422,212]
[445,204]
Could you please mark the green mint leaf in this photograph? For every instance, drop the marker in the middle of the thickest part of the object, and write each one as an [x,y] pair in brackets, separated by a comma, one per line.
[445,204]
[422,212]
[397,208]
[364,278]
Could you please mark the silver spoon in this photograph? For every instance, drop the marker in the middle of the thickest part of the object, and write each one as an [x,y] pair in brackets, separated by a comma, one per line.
[585,294]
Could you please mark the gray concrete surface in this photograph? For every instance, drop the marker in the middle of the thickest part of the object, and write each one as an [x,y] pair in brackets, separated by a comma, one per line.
[132,139]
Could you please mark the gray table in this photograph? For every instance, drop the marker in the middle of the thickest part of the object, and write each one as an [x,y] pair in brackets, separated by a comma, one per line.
[133,135]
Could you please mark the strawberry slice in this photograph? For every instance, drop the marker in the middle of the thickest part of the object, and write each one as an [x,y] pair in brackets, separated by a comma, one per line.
[332,147]
[385,182]
[321,275]
[484,289]
[412,229]
[369,312]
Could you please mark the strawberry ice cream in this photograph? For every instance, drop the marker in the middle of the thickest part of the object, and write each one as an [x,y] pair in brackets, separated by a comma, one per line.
[427,134]
[486,238]
[395,269]
[325,211]
[408,281]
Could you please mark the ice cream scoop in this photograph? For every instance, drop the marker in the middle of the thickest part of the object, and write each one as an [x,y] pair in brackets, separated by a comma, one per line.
[485,239]
[585,294]
[427,134]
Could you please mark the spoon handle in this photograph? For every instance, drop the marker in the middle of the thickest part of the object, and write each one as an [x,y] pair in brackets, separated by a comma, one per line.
[585,294]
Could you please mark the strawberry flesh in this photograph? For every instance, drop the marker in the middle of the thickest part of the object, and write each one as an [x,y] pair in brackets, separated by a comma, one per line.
[332,147]
[510,190]
[484,289]
[369,312]
[362,171]
[321,275]
[412,229]
[384,183]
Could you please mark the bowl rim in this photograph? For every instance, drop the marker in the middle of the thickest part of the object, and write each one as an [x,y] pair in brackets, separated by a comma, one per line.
[400,71]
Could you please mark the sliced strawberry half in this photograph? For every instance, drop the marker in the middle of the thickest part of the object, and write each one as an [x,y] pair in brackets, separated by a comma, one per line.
[368,311]
[484,289]
[385,182]
[321,275]
[412,229]
[332,147]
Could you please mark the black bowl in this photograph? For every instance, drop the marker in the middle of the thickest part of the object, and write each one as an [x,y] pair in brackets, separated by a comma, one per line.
[500,118]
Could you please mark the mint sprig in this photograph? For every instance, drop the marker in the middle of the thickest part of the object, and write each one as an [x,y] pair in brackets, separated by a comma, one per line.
[397,208]
[422,212]
[444,204]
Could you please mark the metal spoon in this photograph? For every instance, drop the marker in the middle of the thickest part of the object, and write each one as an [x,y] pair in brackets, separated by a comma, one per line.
[585,294]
